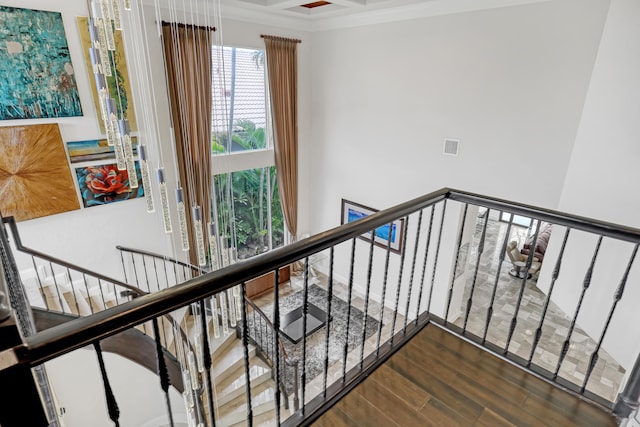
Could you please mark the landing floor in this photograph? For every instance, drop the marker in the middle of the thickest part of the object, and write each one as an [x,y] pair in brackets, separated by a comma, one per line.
[438,379]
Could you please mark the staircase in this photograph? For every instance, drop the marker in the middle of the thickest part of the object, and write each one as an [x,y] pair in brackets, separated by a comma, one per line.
[63,293]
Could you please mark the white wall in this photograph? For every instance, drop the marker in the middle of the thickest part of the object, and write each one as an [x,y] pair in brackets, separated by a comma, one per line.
[86,237]
[79,390]
[509,83]
[600,183]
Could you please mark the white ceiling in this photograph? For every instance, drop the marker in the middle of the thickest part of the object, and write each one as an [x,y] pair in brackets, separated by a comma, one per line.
[349,13]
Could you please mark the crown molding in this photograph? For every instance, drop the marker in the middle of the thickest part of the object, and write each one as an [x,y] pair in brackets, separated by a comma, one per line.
[376,13]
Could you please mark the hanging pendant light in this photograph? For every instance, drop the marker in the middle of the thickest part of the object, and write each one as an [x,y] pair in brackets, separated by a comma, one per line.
[182,219]
[164,201]
[215,318]
[146,180]
[127,148]
[199,237]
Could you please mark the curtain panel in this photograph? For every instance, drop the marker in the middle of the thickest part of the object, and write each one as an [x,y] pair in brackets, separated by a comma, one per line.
[282,66]
[188,56]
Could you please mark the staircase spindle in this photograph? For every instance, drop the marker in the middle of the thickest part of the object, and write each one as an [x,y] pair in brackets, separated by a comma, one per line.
[346,337]
[327,326]
[424,265]
[383,297]
[305,311]
[366,296]
[40,271]
[276,329]
[245,345]
[616,298]
[155,270]
[545,308]
[413,271]
[124,267]
[585,285]
[435,260]
[494,290]
[455,266]
[135,270]
[523,283]
[146,274]
[163,373]
[112,405]
[207,362]
[475,271]
[166,274]
[400,274]
[55,283]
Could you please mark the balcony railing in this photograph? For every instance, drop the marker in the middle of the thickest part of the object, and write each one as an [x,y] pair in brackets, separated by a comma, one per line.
[456,258]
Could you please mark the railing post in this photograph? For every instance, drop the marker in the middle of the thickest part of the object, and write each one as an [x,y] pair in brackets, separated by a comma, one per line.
[19,388]
[629,400]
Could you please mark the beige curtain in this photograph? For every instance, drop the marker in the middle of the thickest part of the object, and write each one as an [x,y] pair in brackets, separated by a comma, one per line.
[282,66]
[187,52]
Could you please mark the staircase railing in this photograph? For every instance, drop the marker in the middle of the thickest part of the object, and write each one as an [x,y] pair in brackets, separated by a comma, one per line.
[57,286]
[266,337]
[442,259]
[164,271]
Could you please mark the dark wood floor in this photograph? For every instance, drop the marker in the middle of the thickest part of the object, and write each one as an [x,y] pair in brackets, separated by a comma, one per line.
[439,380]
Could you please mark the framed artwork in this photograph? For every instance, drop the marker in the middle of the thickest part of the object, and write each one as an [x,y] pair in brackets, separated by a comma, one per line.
[35,179]
[36,69]
[95,149]
[393,232]
[118,82]
[104,184]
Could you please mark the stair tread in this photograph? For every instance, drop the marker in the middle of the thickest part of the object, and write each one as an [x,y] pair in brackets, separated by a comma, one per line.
[230,360]
[221,344]
[235,387]
[260,404]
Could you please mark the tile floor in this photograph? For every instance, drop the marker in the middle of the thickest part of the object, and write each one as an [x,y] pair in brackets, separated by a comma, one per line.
[607,374]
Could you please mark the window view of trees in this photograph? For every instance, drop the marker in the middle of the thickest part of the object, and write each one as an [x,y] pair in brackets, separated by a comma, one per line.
[249,210]
[255,209]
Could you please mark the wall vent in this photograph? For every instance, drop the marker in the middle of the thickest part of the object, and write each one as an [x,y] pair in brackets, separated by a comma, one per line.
[451,147]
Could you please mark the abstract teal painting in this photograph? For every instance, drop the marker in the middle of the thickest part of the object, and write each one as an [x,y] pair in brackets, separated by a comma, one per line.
[37,75]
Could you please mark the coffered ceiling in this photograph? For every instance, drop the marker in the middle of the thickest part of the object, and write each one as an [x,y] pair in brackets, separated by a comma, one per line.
[313,15]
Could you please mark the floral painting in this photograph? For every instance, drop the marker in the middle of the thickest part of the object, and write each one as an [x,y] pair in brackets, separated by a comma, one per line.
[103,184]
[38,78]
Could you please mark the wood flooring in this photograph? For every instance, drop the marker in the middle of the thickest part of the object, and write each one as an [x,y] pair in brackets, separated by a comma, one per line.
[438,379]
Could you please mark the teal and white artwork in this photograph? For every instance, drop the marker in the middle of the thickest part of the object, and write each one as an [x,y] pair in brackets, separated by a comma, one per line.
[37,75]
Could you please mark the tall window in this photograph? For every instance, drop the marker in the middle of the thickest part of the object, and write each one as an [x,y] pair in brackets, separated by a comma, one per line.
[249,211]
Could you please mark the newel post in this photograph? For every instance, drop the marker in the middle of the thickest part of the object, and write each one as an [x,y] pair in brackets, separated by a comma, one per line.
[629,399]
[18,394]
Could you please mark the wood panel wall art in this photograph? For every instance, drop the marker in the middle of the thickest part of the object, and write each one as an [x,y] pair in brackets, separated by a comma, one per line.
[35,178]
